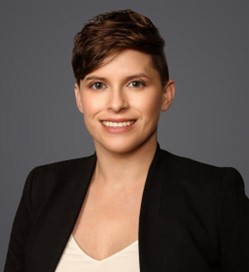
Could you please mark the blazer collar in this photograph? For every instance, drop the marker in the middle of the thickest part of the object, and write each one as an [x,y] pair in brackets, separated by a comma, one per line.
[149,221]
[51,234]
[81,178]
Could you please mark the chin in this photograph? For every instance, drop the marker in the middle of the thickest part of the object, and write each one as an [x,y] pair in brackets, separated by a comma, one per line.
[115,147]
[124,146]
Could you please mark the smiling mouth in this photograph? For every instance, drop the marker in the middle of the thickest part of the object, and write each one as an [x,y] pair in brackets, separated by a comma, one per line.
[117,124]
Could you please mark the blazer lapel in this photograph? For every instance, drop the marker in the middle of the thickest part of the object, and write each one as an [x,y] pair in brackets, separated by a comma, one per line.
[149,224]
[53,231]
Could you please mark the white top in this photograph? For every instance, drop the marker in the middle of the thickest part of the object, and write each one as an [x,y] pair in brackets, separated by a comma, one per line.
[74,259]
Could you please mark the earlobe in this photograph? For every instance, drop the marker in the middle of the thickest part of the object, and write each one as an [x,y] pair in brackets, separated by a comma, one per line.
[168,95]
[78,97]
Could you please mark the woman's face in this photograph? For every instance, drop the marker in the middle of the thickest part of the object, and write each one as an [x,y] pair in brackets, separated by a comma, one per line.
[121,102]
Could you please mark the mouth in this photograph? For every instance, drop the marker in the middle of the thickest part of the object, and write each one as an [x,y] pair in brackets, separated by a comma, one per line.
[118,124]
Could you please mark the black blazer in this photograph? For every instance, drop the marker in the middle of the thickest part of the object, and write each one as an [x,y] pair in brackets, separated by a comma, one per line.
[194,217]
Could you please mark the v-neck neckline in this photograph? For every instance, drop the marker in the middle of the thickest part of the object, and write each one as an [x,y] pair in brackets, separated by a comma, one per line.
[75,245]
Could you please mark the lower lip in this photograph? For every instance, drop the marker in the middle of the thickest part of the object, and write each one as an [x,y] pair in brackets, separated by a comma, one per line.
[119,129]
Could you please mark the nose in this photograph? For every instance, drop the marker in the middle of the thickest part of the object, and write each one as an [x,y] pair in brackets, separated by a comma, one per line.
[117,100]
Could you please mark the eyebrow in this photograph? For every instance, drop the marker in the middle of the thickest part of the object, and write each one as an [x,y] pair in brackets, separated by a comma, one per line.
[93,77]
[137,76]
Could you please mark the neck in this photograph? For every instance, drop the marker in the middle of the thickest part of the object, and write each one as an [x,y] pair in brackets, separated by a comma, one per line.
[119,170]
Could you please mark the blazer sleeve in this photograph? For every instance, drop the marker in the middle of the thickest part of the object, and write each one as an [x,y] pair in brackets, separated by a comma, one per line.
[233,223]
[20,230]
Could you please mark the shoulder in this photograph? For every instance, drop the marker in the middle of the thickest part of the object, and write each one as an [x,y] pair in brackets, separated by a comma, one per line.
[63,169]
[207,189]
[197,173]
[210,204]
[65,165]
[49,180]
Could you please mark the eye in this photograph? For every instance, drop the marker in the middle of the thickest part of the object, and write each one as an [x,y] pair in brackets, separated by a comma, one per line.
[97,85]
[136,84]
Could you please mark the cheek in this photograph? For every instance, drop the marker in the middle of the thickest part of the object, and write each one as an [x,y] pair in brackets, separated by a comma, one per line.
[90,106]
[152,105]
[153,110]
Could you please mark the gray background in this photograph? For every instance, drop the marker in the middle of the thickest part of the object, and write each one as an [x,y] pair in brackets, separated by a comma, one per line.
[208,55]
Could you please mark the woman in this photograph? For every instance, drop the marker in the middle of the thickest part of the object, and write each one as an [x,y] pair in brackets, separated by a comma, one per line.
[131,206]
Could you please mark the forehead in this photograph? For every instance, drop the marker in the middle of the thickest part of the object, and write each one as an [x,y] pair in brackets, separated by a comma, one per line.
[126,62]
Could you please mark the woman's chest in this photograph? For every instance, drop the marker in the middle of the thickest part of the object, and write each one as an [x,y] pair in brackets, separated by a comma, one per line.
[108,222]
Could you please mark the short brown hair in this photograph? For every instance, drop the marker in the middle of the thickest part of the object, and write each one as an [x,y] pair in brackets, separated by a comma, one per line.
[110,33]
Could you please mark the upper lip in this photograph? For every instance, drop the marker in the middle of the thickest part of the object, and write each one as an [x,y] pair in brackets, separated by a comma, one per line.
[118,120]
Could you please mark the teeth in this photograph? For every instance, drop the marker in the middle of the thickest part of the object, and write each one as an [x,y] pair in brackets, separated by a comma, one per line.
[117,124]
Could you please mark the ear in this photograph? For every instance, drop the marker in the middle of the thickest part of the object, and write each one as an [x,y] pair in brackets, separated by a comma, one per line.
[168,95]
[78,97]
